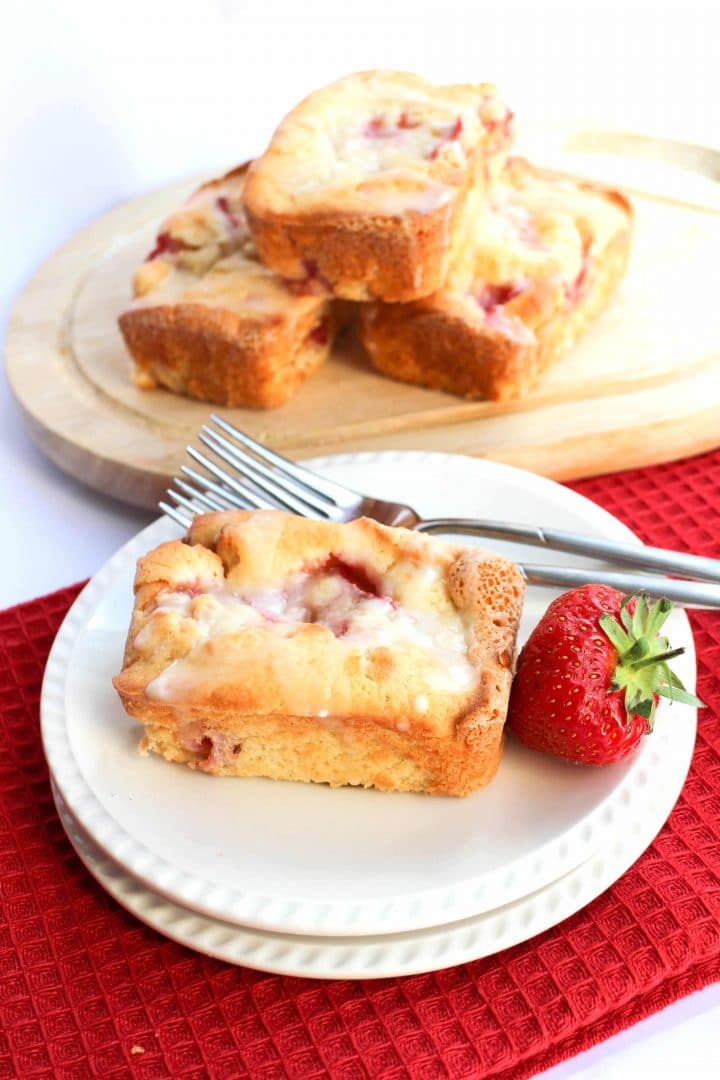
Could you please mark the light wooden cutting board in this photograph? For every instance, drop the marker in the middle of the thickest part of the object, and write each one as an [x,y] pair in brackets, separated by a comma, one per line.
[642,387]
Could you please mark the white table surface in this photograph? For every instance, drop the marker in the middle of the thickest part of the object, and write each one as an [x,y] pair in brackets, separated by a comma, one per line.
[100,103]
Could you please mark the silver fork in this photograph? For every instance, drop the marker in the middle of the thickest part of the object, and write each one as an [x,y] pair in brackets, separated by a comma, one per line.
[243,473]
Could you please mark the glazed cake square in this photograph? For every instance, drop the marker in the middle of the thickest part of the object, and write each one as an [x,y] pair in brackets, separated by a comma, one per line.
[366,184]
[271,645]
[211,322]
[543,259]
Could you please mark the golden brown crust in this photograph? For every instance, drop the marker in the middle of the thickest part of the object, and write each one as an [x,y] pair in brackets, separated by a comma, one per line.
[450,342]
[361,258]
[445,347]
[374,223]
[359,754]
[229,358]
[312,701]
[209,321]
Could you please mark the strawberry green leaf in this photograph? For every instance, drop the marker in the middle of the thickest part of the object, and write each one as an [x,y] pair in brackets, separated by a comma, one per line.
[640,616]
[633,699]
[658,616]
[674,693]
[640,649]
[617,635]
[626,618]
[644,708]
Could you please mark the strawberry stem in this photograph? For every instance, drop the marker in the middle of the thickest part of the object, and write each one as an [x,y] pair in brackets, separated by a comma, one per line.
[656,659]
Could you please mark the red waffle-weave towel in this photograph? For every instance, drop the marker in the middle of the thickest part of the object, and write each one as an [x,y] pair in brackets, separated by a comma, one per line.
[86,990]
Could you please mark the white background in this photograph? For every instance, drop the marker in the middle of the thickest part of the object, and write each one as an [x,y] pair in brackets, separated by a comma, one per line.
[100,102]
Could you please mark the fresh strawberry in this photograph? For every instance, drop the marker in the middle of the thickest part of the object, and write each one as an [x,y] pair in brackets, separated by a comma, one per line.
[589,676]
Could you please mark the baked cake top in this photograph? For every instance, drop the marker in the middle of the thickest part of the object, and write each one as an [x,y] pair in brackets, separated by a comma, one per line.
[536,225]
[532,249]
[379,142]
[267,613]
[203,254]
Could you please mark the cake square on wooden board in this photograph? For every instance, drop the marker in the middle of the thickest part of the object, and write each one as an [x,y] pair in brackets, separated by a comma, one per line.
[210,321]
[366,184]
[544,258]
[273,645]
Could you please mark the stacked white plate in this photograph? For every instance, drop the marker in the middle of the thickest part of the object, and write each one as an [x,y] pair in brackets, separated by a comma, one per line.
[305,880]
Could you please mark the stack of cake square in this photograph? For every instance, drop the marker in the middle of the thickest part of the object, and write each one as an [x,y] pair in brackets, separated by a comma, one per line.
[470,270]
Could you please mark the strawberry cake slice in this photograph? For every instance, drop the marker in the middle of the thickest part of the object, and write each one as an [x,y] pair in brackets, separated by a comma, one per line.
[365,184]
[541,261]
[270,645]
[211,322]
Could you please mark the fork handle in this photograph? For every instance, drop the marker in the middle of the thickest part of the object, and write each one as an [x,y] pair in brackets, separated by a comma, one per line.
[692,594]
[645,558]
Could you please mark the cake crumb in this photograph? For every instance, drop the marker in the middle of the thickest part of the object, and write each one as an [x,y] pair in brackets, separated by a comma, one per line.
[136,1049]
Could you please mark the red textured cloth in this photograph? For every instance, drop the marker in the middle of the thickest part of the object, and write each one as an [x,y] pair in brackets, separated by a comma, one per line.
[83,985]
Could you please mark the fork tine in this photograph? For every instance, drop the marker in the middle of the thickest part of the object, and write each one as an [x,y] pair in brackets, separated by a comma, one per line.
[246,496]
[199,504]
[189,504]
[203,497]
[264,478]
[232,499]
[175,514]
[337,493]
[269,499]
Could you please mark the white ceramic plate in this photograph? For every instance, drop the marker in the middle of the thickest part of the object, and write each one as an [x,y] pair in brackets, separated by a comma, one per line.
[304,859]
[389,955]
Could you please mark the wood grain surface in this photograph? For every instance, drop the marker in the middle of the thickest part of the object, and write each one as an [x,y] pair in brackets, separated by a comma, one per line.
[643,386]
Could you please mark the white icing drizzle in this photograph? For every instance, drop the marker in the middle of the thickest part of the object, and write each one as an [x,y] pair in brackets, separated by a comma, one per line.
[383,150]
[360,621]
[391,139]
